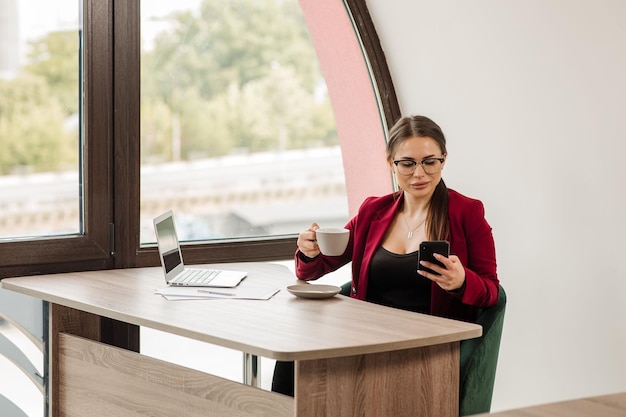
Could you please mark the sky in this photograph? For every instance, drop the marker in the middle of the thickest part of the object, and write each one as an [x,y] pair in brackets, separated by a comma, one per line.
[37,17]
[40,16]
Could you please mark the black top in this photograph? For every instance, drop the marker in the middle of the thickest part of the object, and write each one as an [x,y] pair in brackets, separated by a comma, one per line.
[394,282]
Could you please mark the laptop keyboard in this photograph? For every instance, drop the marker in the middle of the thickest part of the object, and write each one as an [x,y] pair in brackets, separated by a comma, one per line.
[193,276]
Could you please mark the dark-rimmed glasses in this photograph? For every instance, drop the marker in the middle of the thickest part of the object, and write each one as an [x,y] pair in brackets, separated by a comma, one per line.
[429,165]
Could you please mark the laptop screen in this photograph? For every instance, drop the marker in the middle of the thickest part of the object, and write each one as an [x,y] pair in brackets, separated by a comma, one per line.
[168,243]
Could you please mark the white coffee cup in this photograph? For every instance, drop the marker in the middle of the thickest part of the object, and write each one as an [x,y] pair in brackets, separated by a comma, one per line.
[332,240]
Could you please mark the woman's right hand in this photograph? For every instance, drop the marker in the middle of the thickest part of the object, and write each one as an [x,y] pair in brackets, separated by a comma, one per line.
[307,242]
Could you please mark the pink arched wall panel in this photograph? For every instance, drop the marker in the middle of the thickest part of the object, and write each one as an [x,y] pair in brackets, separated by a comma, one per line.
[359,125]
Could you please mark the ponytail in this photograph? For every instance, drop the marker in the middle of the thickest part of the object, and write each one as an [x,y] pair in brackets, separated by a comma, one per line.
[437,223]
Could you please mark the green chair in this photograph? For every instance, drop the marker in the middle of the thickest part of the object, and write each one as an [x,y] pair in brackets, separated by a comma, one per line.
[479,358]
[345,289]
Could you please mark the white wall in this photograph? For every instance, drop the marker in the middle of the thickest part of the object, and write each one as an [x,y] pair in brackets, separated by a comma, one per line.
[532,97]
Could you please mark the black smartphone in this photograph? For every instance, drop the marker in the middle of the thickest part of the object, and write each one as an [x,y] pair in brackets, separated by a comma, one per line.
[427,250]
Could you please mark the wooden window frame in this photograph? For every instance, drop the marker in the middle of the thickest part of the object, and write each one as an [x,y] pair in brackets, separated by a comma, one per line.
[90,250]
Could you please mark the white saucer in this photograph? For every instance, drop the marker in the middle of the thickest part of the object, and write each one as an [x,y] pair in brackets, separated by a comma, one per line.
[314,290]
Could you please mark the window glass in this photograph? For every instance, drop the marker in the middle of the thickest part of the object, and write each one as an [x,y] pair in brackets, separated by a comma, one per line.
[39,118]
[238,135]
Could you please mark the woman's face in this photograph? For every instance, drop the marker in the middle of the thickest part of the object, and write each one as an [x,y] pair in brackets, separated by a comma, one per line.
[419,184]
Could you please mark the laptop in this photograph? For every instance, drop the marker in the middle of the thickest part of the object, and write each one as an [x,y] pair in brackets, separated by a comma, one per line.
[176,274]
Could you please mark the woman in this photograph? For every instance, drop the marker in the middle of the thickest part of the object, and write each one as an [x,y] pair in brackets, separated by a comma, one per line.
[386,233]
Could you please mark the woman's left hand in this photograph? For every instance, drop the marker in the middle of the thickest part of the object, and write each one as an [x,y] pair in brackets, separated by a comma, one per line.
[452,273]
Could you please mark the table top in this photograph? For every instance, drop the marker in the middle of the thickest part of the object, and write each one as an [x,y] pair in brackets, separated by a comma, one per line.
[613,405]
[284,327]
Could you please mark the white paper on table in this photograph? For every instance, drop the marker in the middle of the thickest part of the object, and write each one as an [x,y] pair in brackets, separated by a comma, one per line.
[210,293]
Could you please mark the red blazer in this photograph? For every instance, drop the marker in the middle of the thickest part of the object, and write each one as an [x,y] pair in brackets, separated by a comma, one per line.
[470,239]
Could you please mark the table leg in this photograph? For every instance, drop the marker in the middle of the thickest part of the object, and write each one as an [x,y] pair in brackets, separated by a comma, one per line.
[418,382]
[64,319]
[251,370]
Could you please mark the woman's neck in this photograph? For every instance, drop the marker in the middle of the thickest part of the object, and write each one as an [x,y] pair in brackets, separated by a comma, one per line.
[415,207]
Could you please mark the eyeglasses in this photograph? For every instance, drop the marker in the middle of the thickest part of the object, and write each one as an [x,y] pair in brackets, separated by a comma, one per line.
[429,165]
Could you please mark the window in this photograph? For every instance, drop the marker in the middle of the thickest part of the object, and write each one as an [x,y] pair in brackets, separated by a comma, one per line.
[112,169]
[237,131]
[39,115]
[53,214]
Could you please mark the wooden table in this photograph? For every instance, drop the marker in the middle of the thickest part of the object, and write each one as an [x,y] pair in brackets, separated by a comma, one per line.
[613,405]
[352,358]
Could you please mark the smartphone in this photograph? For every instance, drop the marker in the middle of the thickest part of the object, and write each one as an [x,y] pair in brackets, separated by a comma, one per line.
[428,249]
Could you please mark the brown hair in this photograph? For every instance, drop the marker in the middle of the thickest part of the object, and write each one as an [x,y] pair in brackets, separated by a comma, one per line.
[437,223]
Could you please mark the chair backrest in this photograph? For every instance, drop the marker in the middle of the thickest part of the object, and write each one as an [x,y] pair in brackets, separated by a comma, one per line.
[346,288]
[479,359]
